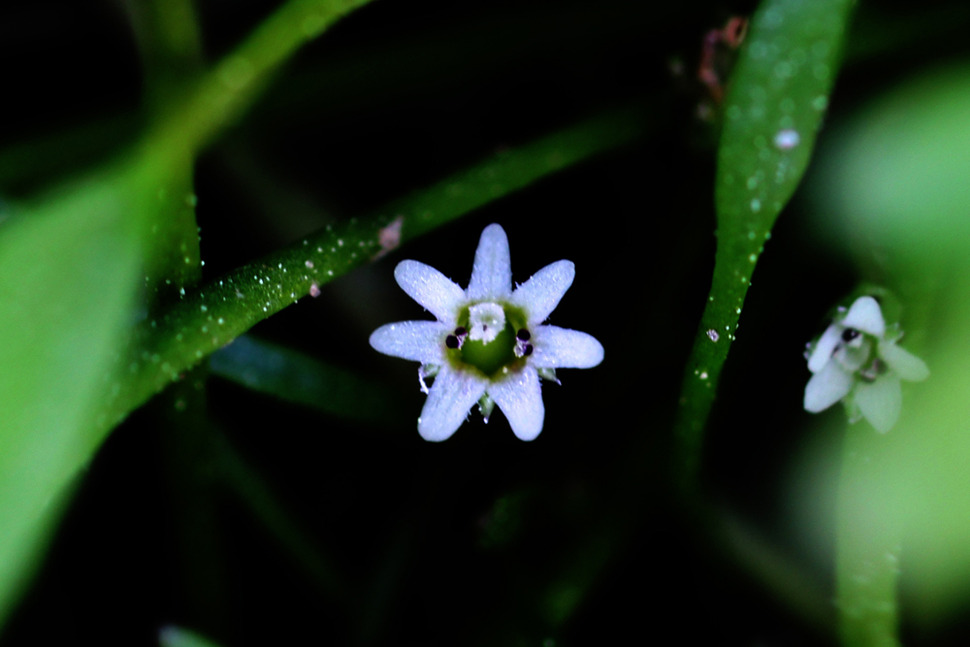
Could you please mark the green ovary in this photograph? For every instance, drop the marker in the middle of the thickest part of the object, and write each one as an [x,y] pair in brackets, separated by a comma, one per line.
[491,357]
[487,333]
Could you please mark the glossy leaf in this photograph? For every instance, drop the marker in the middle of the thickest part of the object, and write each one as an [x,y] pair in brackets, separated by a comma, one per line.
[776,100]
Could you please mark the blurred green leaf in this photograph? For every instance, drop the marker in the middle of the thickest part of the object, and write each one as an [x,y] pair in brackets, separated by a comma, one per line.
[293,377]
[71,266]
[172,636]
[69,270]
[778,95]
[898,175]
[894,192]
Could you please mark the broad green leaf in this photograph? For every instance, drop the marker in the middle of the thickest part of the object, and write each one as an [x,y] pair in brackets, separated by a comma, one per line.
[69,271]
[777,97]
[897,183]
[71,265]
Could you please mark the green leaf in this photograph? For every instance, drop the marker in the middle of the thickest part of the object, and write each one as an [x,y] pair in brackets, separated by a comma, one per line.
[208,318]
[895,191]
[69,271]
[777,98]
[71,267]
[290,376]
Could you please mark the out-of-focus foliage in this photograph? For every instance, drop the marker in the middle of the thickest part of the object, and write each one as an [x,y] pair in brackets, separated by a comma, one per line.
[893,190]
[282,492]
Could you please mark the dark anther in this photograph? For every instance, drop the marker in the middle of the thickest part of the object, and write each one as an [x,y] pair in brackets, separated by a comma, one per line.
[460,331]
[849,334]
[451,342]
[523,335]
[527,350]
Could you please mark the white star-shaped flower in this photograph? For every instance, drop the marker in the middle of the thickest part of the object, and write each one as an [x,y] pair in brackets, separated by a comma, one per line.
[857,360]
[488,344]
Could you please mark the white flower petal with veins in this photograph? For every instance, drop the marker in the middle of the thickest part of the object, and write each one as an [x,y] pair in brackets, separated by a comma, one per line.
[452,395]
[438,294]
[519,396]
[419,341]
[492,273]
[563,348]
[541,294]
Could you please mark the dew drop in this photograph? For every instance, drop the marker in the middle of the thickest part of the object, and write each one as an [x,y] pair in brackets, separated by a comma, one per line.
[787,139]
[755,205]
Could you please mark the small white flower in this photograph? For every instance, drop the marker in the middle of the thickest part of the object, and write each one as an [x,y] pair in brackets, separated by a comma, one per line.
[488,344]
[857,360]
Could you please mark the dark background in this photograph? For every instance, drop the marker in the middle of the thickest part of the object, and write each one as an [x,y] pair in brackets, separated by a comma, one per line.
[255,521]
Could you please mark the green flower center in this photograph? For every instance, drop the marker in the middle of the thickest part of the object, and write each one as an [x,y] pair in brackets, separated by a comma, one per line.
[490,337]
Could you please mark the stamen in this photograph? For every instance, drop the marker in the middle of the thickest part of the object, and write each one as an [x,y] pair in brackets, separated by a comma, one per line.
[849,334]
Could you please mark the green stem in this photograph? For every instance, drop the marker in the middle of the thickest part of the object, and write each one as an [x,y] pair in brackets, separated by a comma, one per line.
[223,94]
[867,544]
[209,317]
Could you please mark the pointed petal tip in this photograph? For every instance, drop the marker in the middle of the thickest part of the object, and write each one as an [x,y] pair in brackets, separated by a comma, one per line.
[434,291]
[557,347]
[540,295]
[492,270]
[451,397]
[520,398]
[417,341]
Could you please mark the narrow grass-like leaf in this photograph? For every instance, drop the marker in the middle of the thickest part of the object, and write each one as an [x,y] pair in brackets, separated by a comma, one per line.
[71,265]
[290,376]
[777,98]
[210,317]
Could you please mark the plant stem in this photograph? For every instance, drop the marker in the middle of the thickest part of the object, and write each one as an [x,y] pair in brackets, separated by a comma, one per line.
[209,317]
[867,544]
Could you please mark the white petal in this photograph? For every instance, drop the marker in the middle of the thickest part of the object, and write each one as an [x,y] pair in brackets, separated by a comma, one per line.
[438,294]
[824,348]
[827,387]
[903,363]
[492,273]
[452,395]
[520,399]
[540,295]
[420,341]
[880,402]
[865,315]
[556,347]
